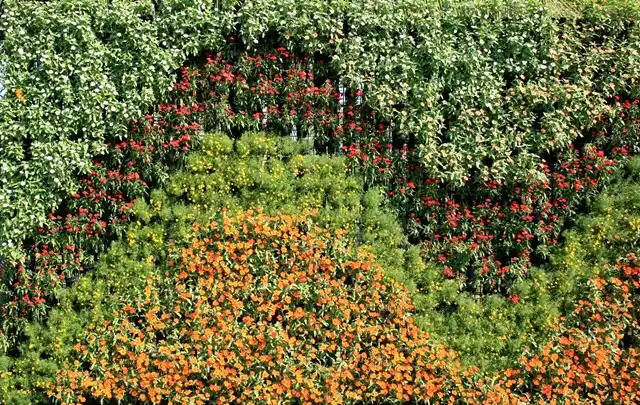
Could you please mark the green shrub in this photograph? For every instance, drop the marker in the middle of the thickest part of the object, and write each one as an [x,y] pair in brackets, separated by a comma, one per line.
[489,124]
[601,239]
[509,122]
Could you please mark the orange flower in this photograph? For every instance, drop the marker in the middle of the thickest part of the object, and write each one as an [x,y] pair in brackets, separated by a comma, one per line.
[20,96]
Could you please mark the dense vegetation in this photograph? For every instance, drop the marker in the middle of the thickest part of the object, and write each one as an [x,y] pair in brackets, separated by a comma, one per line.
[281,201]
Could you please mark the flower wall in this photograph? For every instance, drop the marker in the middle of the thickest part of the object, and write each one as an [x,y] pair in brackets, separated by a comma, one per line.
[455,151]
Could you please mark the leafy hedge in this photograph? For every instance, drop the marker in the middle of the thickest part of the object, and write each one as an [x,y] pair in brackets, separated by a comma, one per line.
[76,73]
[517,131]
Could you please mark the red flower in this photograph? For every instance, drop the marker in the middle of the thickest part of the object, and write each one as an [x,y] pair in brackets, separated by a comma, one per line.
[448,272]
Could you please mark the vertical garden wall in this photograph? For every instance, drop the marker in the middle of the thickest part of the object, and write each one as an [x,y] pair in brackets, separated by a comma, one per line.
[458,141]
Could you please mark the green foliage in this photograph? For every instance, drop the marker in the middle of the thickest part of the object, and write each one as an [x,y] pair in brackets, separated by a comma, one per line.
[76,72]
[509,122]
[455,77]
[488,331]
[25,377]
[265,171]
[279,175]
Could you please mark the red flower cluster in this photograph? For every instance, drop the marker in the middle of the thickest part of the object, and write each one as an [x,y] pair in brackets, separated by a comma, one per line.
[485,233]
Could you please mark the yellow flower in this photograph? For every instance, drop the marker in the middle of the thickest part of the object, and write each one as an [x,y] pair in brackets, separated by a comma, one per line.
[132,239]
